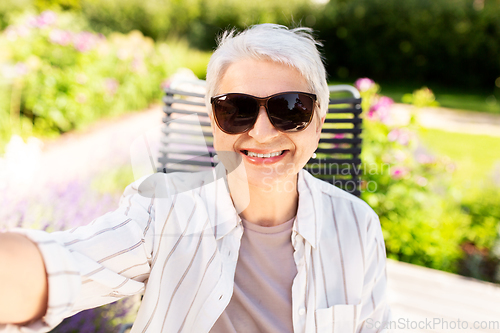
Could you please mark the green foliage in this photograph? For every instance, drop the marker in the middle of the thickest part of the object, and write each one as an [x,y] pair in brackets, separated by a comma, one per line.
[198,20]
[450,41]
[420,226]
[216,15]
[453,42]
[12,8]
[55,76]
[481,242]
[426,219]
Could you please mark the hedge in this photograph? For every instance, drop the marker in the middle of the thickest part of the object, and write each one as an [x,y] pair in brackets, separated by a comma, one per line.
[454,42]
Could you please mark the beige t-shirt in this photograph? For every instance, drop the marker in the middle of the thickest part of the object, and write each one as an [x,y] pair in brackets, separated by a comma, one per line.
[262,297]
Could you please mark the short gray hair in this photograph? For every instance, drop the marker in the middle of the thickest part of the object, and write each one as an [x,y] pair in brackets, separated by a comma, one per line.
[293,47]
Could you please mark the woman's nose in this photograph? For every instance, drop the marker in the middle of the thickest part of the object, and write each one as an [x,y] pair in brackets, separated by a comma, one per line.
[263,130]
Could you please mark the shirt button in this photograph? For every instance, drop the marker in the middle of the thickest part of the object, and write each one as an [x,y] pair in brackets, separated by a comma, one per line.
[302,311]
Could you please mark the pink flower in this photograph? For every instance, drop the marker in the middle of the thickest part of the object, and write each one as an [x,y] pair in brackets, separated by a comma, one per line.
[138,64]
[371,115]
[380,110]
[11,33]
[85,41]
[422,181]
[400,135]
[13,71]
[364,84]
[60,37]
[399,172]
[81,98]
[21,69]
[424,158]
[165,84]
[47,18]
[111,86]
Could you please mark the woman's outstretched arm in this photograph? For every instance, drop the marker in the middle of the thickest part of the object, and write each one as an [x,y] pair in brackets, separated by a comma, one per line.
[23,280]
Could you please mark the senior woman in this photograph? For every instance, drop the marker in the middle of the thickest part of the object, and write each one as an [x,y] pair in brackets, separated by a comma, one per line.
[261,246]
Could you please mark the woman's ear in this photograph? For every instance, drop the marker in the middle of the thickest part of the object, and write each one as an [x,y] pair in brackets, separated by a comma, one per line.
[319,126]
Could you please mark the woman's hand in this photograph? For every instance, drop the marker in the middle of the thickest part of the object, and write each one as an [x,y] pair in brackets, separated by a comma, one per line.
[23,281]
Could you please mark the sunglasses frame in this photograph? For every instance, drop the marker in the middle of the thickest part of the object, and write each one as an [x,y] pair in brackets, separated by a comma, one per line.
[263,101]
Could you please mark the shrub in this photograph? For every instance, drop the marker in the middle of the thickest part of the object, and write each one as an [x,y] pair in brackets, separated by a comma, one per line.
[420,225]
[425,219]
[58,76]
[481,242]
[454,42]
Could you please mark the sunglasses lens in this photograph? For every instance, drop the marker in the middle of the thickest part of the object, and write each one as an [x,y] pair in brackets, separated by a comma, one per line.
[288,112]
[236,113]
[291,112]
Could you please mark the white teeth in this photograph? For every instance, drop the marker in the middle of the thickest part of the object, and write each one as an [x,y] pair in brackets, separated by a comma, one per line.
[252,154]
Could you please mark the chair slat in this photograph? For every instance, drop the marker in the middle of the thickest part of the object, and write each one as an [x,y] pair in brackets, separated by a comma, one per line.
[170,100]
[343,120]
[187,122]
[346,111]
[352,141]
[342,130]
[169,91]
[168,130]
[335,101]
[169,110]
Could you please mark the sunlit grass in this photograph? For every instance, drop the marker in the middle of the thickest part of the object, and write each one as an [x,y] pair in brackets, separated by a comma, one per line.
[477,157]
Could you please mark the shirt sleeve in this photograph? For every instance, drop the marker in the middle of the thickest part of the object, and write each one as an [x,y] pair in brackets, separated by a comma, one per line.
[95,264]
[375,310]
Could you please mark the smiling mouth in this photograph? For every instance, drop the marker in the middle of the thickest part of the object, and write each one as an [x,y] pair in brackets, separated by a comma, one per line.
[252,154]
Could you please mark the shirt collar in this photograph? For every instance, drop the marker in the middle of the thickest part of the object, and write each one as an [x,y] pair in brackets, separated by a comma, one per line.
[225,218]
[309,219]
[222,214]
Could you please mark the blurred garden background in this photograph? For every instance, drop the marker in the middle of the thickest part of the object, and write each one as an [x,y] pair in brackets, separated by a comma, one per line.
[66,65]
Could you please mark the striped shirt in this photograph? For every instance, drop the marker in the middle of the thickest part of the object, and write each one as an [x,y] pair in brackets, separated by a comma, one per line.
[176,238]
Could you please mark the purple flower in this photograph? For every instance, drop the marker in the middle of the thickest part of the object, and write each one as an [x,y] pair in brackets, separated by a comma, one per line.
[364,84]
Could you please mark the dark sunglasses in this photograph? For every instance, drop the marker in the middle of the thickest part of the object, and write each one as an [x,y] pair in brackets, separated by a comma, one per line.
[289,111]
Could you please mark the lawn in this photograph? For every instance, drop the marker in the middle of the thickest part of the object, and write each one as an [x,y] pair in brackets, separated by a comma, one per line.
[477,157]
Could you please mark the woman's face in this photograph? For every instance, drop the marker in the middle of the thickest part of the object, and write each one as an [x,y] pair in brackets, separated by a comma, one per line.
[262,78]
